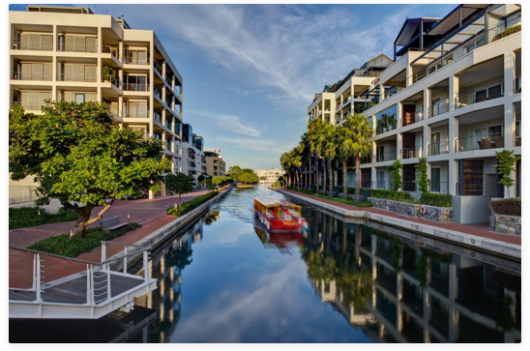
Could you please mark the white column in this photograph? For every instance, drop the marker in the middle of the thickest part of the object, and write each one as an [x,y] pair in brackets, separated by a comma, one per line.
[454,90]
[509,73]
[408,76]
[453,135]
[426,140]
[427,103]
[453,176]
[54,65]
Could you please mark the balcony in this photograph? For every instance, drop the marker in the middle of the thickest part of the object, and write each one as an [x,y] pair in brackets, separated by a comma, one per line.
[438,107]
[34,42]
[157,67]
[480,94]
[79,44]
[136,87]
[169,81]
[32,106]
[412,117]
[114,51]
[113,109]
[42,76]
[483,142]
[73,77]
[438,148]
[136,57]
[157,92]
[134,113]
[411,152]
[385,156]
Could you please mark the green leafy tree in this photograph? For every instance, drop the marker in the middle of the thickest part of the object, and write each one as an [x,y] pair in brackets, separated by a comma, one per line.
[356,137]
[209,184]
[505,166]
[78,156]
[248,177]
[395,175]
[201,178]
[314,132]
[179,183]
[234,172]
[422,176]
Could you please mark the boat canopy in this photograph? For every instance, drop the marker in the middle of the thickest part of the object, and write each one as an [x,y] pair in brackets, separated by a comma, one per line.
[273,202]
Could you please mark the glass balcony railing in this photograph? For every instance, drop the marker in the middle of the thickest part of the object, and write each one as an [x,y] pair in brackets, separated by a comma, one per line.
[480,94]
[385,156]
[114,51]
[411,152]
[69,77]
[136,60]
[438,148]
[19,75]
[157,67]
[471,143]
[517,138]
[134,113]
[439,107]
[135,87]
[411,118]
[44,44]
[33,106]
[83,47]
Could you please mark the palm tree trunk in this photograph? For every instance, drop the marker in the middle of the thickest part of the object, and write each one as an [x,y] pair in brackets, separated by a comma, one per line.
[345,177]
[325,180]
[310,172]
[317,175]
[357,177]
[330,177]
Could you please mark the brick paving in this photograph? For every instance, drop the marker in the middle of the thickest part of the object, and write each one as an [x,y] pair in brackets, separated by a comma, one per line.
[481,229]
[151,214]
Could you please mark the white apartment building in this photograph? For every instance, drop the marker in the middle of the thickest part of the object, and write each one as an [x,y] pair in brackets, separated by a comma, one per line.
[71,54]
[452,94]
[268,176]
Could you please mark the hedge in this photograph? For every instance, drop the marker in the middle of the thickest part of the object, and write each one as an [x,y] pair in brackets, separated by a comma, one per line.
[348,201]
[24,217]
[508,207]
[192,204]
[438,200]
[389,194]
[64,246]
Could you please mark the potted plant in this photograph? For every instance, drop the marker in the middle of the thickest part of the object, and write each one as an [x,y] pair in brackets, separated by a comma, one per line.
[108,74]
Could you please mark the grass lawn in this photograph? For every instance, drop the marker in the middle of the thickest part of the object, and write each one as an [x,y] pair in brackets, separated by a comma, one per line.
[62,244]
[24,217]
[348,201]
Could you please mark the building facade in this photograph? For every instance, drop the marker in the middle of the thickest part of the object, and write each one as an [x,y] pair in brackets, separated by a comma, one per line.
[193,160]
[268,176]
[71,54]
[452,94]
[215,165]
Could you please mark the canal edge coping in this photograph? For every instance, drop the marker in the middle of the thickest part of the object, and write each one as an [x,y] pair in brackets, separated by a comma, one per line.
[455,237]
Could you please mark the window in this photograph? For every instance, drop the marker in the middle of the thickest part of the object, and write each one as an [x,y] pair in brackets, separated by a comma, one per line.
[472,177]
[435,103]
[435,143]
[380,153]
[80,98]
[435,180]
[386,120]
[381,179]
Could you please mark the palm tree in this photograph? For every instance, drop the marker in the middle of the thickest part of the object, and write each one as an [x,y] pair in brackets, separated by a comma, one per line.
[330,150]
[285,162]
[313,131]
[356,141]
[303,150]
[296,163]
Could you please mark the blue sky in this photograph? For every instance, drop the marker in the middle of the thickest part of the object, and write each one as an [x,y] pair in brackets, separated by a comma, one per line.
[250,71]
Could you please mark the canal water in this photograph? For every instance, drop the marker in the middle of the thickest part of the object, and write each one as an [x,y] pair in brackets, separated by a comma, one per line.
[225,280]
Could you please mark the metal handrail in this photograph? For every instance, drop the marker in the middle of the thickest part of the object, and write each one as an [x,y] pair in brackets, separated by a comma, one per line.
[406,152]
[472,94]
[19,75]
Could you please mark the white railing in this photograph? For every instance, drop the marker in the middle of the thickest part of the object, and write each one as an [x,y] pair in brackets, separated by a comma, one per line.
[22,196]
[98,278]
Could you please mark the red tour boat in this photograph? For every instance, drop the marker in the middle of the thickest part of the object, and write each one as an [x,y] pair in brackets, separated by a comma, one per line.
[278,215]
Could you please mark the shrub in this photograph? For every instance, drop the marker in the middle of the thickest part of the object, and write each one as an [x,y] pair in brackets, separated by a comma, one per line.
[64,246]
[508,207]
[24,217]
[507,32]
[389,194]
[395,175]
[422,175]
[192,204]
[439,200]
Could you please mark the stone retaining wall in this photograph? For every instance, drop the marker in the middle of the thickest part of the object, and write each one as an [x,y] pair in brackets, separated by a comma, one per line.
[508,224]
[432,213]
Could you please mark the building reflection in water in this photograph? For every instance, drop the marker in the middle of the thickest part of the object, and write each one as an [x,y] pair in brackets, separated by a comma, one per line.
[166,266]
[404,288]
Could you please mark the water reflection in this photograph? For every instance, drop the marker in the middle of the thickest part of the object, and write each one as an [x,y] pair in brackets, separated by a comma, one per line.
[411,290]
[225,280]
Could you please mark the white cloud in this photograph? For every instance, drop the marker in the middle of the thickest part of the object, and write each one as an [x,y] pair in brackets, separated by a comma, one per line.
[286,51]
[229,123]
[260,145]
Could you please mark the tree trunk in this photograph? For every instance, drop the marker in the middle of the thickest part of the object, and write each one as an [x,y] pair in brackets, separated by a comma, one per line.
[310,173]
[317,175]
[325,178]
[84,219]
[357,177]
[345,177]
[330,177]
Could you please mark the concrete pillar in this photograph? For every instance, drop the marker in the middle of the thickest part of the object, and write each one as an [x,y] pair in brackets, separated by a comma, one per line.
[453,135]
[399,145]
[453,176]
[454,90]
[409,78]
[426,140]
[510,73]
[399,115]
[54,65]
[427,102]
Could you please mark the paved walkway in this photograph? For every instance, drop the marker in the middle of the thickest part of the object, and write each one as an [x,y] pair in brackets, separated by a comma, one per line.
[481,230]
[151,214]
